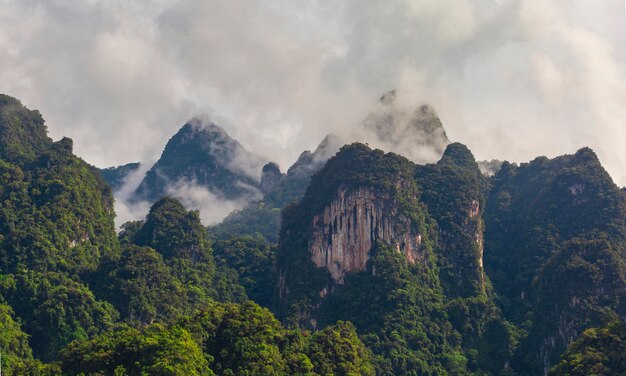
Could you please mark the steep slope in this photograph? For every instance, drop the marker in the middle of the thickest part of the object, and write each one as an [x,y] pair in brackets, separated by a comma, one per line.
[279,190]
[201,153]
[416,133]
[22,132]
[598,351]
[454,191]
[362,246]
[115,175]
[56,223]
[56,211]
[554,248]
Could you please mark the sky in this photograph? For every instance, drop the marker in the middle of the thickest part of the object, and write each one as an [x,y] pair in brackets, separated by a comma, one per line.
[512,79]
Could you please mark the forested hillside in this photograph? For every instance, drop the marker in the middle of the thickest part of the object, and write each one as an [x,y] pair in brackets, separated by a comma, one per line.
[356,262]
[77,299]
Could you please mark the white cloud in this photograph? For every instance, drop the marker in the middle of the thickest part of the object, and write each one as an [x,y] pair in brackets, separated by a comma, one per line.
[510,78]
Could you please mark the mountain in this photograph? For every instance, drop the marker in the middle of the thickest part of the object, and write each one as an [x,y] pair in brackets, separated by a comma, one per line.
[520,264]
[115,176]
[377,240]
[554,247]
[415,132]
[598,351]
[23,134]
[202,154]
[56,223]
[279,189]
[383,266]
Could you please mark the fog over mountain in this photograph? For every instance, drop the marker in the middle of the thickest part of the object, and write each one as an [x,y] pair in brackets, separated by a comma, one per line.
[511,79]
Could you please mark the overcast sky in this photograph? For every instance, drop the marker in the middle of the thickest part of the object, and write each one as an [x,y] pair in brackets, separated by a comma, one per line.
[511,79]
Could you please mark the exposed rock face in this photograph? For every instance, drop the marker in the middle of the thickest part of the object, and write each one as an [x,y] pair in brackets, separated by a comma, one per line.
[270,177]
[475,225]
[344,234]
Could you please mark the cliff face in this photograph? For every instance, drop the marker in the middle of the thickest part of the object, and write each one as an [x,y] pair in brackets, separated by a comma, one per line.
[344,234]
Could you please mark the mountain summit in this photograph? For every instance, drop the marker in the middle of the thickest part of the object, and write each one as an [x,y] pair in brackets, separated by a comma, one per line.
[416,133]
[203,154]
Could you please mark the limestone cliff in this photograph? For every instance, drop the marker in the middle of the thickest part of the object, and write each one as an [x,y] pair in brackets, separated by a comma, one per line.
[345,232]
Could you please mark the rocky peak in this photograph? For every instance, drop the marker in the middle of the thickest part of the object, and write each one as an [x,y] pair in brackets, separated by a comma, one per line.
[413,131]
[308,163]
[202,153]
[359,197]
[270,177]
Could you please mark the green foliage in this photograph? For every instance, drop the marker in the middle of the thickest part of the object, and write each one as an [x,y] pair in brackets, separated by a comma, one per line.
[243,339]
[598,352]
[17,358]
[167,300]
[165,268]
[56,214]
[174,232]
[554,246]
[431,317]
[141,286]
[398,309]
[223,339]
[253,261]
[155,350]
[454,192]
[22,131]
[353,167]
[337,350]
[178,235]
[255,218]
[115,176]
[56,310]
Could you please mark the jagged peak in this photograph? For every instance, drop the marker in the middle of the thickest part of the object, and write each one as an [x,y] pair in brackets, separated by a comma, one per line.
[271,167]
[405,126]
[201,128]
[309,162]
[270,177]
[203,123]
[330,144]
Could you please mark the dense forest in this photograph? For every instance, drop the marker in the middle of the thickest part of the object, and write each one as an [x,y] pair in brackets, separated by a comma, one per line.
[355,263]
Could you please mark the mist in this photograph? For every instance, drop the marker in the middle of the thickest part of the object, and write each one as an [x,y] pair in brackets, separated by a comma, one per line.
[511,79]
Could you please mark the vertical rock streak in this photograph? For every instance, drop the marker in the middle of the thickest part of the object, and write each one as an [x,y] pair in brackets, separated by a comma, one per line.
[345,233]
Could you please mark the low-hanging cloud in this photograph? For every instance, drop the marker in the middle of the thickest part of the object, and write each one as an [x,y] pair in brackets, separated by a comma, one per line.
[512,79]
[212,207]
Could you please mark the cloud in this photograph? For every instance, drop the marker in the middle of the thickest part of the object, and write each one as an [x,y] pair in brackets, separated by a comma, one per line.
[212,207]
[126,210]
[512,79]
